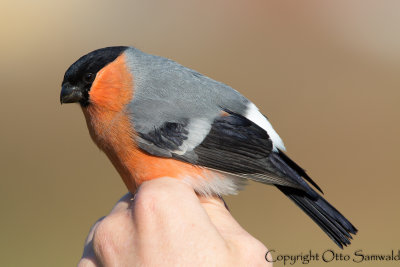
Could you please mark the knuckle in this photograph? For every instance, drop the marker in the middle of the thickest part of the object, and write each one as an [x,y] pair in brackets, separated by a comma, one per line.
[104,227]
[103,239]
[113,236]
[155,197]
[146,200]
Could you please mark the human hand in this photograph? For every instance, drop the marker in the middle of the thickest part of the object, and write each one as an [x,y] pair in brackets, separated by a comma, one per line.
[167,224]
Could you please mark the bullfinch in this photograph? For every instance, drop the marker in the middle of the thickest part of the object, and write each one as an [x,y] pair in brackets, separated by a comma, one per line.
[156,118]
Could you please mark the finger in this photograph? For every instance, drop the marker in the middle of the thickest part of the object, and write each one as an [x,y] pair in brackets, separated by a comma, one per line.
[177,203]
[237,239]
[220,216]
[88,261]
[168,209]
[114,236]
[88,257]
[169,198]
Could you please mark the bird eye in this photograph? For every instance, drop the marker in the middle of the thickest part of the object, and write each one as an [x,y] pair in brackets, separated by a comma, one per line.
[88,77]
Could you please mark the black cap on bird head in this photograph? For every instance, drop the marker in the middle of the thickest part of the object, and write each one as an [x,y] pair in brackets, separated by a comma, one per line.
[79,77]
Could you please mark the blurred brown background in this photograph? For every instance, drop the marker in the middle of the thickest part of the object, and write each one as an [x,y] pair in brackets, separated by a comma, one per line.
[326,74]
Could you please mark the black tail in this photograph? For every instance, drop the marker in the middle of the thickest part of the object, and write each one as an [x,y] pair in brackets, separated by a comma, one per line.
[331,221]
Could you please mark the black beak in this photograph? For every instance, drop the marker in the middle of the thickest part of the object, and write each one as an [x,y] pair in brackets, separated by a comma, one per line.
[70,94]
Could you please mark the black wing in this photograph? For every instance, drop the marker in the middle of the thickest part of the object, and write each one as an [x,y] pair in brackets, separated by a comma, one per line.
[233,145]
[238,146]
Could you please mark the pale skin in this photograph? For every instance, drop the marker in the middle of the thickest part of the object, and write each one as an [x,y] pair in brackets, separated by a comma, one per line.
[167,224]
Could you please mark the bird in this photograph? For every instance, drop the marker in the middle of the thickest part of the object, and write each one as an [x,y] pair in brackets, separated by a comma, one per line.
[155,118]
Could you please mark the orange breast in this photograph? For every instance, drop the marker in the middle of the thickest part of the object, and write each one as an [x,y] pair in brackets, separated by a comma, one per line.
[110,128]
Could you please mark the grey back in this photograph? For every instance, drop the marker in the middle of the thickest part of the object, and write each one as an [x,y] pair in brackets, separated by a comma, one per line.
[165,91]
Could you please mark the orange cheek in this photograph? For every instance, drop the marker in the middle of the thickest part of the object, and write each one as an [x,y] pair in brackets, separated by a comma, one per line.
[113,86]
